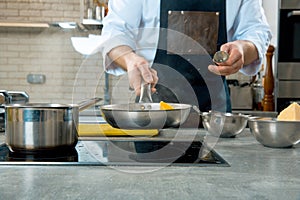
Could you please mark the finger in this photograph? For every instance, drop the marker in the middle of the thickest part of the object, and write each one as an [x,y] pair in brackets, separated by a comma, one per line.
[155,80]
[225,47]
[232,52]
[219,71]
[134,77]
[146,73]
[222,70]
[154,76]
[136,85]
[227,70]
[214,69]
[234,57]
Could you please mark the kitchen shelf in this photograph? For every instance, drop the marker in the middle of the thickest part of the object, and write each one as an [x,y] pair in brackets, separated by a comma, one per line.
[25,24]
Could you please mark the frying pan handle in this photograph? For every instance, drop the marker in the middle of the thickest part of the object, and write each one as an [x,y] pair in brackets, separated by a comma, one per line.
[88,103]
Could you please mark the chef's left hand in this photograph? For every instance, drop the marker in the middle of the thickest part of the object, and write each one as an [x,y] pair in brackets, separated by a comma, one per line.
[235,61]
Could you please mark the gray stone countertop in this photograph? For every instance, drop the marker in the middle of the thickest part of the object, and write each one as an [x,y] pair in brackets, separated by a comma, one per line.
[256,172]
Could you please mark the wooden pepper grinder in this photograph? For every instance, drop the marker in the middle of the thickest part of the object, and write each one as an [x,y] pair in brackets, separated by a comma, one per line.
[268,100]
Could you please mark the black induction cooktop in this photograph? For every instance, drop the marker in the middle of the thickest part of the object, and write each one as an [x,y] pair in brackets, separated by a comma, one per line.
[120,153]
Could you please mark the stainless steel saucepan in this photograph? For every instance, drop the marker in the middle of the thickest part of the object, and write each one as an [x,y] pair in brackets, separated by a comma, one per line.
[41,126]
[145,115]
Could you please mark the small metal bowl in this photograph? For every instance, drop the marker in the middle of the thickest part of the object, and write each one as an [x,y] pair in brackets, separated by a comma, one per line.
[272,133]
[224,125]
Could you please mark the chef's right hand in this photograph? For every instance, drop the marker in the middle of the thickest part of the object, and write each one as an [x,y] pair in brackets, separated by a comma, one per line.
[138,68]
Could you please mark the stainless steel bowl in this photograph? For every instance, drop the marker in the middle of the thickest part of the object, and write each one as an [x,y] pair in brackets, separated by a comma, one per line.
[224,125]
[272,133]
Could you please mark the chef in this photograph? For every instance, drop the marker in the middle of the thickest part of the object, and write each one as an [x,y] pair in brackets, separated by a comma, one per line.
[169,44]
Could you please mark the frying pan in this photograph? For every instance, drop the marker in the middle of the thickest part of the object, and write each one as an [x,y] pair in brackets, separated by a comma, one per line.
[145,115]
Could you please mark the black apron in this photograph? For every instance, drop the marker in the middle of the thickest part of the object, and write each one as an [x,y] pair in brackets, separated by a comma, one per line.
[183,76]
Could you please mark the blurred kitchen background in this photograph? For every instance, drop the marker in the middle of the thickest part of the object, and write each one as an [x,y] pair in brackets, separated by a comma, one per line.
[37,55]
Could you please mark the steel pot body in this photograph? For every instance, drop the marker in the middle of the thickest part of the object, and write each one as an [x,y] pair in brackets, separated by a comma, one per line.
[32,127]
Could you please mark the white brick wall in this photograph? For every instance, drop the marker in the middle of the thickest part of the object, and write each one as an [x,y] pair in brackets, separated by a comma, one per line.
[69,75]
[49,53]
[40,10]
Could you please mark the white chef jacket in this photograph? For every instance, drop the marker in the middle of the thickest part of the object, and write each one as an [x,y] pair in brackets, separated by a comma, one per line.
[135,23]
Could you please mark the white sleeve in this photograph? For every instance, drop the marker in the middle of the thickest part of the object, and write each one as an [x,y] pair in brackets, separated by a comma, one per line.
[250,24]
[120,28]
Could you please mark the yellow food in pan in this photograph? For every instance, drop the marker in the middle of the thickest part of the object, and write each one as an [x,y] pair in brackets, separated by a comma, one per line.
[165,106]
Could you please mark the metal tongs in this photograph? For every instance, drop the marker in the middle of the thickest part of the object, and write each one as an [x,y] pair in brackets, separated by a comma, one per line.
[145,96]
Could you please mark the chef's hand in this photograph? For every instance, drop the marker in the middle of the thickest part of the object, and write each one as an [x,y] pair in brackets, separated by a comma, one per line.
[241,52]
[138,68]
